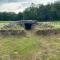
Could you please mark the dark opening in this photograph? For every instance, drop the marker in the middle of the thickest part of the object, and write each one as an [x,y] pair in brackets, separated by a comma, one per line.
[28,26]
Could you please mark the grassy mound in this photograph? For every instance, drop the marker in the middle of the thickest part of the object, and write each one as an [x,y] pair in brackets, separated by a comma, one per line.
[30,46]
[48,32]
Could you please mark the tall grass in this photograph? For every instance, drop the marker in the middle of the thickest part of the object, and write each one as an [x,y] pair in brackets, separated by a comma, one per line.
[30,47]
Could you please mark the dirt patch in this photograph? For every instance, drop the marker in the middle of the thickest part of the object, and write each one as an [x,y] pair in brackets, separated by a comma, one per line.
[12,32]
[48,32]
[24,33]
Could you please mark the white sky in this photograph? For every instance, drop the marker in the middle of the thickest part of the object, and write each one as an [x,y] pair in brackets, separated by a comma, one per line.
[20,5]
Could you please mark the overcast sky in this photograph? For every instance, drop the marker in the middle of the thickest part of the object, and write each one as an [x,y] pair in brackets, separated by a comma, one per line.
[20,5]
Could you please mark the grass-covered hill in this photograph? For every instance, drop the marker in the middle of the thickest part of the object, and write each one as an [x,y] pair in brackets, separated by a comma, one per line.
[30,46]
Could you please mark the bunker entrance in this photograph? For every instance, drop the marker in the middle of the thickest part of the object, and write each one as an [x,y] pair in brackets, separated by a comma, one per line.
[28,26]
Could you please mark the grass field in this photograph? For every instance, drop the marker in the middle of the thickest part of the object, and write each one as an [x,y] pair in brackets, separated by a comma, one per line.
[30,47]
[42,25]
[3,25]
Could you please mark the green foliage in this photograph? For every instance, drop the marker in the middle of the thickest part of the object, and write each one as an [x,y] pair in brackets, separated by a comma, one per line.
[49,12]
[7,16]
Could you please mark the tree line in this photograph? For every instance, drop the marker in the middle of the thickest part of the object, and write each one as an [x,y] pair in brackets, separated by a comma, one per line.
[10,16]
[40,12]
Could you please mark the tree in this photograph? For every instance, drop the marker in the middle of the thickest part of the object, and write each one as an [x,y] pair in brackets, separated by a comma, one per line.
[20,16]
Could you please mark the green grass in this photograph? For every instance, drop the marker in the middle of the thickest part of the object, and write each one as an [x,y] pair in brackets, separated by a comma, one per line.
[30,47]
[55,24]
[3,23]
[6,21]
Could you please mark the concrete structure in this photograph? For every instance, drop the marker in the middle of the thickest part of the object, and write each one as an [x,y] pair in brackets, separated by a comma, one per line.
[28,24]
